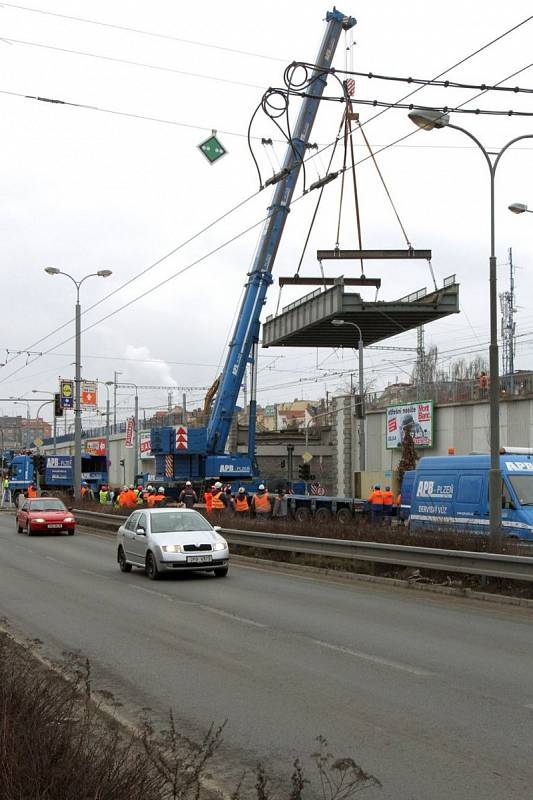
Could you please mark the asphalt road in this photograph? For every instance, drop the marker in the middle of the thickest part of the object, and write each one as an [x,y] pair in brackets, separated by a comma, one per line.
[433,695]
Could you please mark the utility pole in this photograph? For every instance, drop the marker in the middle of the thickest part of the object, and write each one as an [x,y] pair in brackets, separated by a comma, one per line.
[420,363]
[116,374]
[508,326]
[169,407]
[184,409]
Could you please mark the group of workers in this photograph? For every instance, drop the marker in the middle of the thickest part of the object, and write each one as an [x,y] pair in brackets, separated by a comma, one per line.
[219,500]
[382,504]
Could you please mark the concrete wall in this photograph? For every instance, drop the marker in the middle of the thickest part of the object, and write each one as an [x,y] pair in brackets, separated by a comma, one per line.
[463,427]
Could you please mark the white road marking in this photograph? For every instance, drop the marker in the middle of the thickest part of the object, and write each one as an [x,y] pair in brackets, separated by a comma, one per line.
[384,662]
[94,574]
[234,617]
[529,705]
[151,591]
[55,560]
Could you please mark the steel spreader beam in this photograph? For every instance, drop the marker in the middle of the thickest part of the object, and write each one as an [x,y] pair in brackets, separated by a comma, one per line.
[324,255]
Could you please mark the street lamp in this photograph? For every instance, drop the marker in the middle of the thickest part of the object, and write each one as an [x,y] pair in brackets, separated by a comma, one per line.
[136,440]
[54,418]
[428,120]
[519,208]
[102,273]
[26,436]
[362,454]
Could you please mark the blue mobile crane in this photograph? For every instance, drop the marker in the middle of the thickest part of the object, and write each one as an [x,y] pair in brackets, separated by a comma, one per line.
[200,453]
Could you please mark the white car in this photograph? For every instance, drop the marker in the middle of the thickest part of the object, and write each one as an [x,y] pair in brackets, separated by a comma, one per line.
[171,540]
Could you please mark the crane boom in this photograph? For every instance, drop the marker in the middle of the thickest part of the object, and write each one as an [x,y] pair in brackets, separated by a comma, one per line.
[247,327]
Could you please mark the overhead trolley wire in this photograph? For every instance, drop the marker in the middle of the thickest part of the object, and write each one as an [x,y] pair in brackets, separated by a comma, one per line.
[142,32]
[385,147]
[131,63]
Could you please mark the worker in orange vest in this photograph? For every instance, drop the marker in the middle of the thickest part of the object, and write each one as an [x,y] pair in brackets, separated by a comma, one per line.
[150,500]
[242,503]
[32,490]
[160,497]
[375,501]
[219,499]
[208,497]
[388,502]
[261,502]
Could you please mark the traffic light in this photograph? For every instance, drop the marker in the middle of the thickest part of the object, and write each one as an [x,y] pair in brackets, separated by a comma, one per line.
[122,462]
[58,410]
[42,464]
[304,472]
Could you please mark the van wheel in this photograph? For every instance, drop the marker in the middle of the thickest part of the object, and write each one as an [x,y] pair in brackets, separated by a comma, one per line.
[344,516]
[302,514]
[151,567]
[123,564]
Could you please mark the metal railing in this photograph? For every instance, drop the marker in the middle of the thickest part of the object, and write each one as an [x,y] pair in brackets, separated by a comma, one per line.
[492,565]
[512,387]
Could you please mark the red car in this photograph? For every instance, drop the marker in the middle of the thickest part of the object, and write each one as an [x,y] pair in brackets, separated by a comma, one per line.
[43,514]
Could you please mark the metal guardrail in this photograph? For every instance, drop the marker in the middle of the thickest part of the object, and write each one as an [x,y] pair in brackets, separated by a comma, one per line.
[491,565]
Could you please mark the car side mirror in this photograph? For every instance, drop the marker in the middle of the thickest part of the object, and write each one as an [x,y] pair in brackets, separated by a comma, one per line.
[141,530]
[69,508]
[512,505]
[217,528]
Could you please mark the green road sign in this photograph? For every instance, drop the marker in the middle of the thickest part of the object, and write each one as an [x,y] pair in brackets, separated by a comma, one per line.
[213,149]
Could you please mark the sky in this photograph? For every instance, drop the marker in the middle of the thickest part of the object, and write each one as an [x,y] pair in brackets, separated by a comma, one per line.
[86,189]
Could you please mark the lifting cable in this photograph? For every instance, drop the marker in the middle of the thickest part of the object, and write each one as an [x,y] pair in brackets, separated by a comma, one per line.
[318,201]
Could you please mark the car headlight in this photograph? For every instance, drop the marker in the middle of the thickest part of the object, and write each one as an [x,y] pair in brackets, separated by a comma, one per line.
[172,548]
[38,519]
[220,545]
[68,519]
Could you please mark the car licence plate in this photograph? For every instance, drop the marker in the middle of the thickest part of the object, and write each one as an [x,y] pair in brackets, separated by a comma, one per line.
[55,525]
[199,559]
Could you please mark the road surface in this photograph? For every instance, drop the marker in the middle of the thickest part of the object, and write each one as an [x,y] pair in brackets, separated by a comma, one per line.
[433,695]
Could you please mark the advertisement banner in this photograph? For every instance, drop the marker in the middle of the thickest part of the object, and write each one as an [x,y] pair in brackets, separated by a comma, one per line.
[95,447]
[66,393]
[130,428]
[89,394]
[145,444]
[418,417]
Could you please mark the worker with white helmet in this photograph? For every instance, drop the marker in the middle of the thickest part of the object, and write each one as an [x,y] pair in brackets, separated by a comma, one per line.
[261,505]
[188,496]
[219,501]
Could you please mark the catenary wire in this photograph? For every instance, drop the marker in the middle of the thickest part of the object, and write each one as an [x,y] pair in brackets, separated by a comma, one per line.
[142,32]
[131,63]
[505,33]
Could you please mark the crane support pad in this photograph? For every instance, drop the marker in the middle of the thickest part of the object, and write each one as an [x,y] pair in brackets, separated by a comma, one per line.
[324,255]
[308,321]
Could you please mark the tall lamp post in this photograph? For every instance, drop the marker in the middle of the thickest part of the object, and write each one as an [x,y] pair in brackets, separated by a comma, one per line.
[428,120]
[26,437]
[136,437]
[360,345]
[54,418]
[102,273]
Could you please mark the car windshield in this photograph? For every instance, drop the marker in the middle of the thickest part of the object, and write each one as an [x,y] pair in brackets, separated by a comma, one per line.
[523,486]
[47,505]
[177,521]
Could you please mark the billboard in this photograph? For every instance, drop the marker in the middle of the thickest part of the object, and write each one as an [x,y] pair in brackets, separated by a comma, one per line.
[145,444]
[418,416]
[95,447]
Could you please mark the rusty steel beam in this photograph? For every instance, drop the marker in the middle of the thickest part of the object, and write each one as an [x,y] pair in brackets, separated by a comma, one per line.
[324,255]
